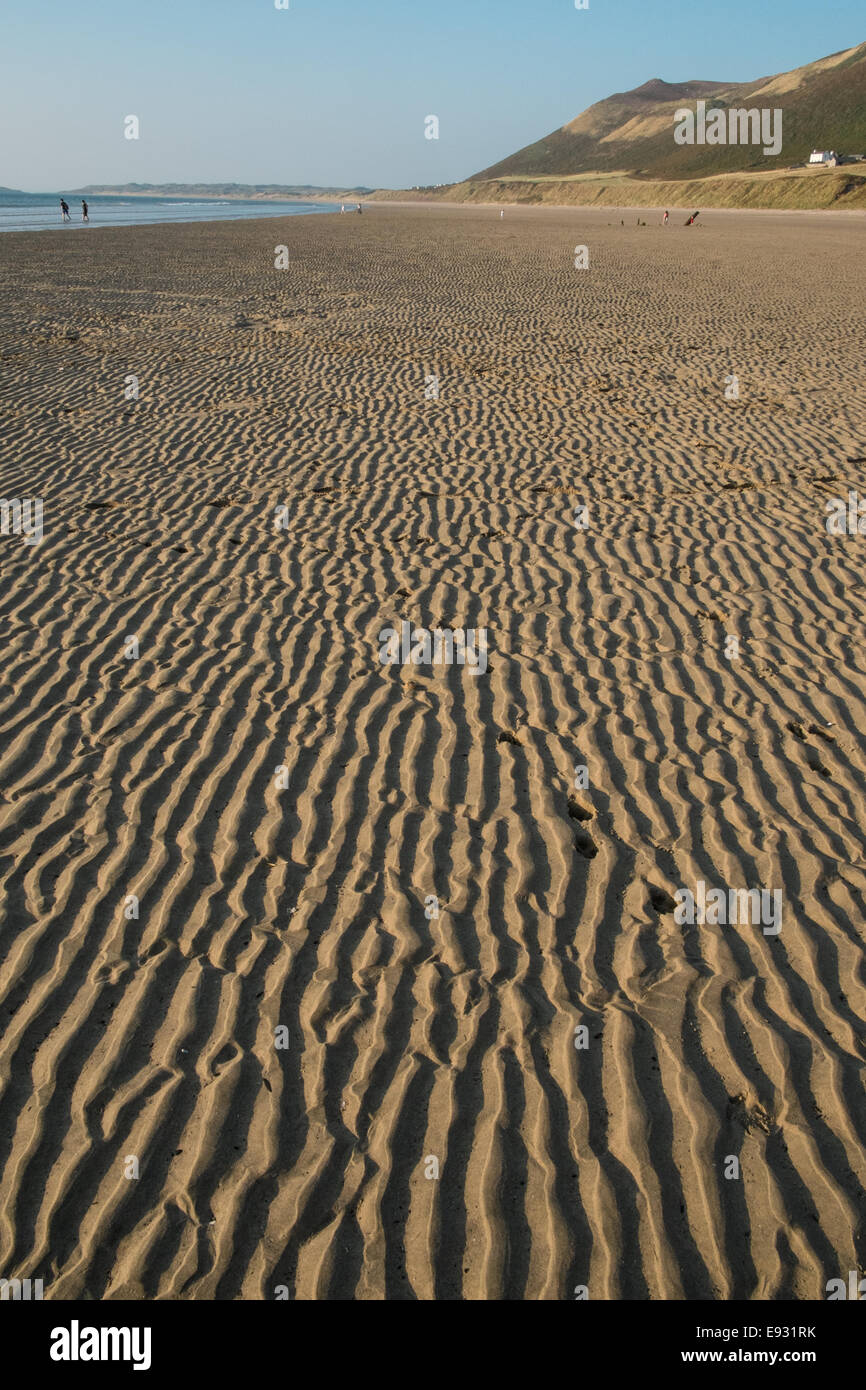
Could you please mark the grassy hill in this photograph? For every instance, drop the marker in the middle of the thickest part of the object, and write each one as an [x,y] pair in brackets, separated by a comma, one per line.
[823,105]
[813,189]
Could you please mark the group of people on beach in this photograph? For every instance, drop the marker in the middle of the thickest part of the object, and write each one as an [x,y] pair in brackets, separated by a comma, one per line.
[64,211]
[85,217]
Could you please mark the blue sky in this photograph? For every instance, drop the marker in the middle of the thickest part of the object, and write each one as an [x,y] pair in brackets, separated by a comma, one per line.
[336,91]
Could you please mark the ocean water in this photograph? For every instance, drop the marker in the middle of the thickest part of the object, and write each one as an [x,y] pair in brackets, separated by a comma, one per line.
[34,212]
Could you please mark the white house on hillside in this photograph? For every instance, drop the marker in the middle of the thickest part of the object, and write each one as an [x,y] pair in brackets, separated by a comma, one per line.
[824,157]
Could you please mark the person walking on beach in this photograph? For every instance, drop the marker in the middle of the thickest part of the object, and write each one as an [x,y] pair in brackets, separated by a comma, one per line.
[360,209]
[64,209]
[665,222]
[85,215]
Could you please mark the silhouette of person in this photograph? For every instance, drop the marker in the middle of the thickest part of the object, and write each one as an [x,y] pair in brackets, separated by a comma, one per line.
[85,215]
[64,209]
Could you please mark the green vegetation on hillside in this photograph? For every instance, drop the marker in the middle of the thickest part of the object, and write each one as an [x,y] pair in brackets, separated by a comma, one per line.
[823,105]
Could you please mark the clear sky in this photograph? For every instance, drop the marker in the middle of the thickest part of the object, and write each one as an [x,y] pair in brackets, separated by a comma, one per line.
[336,91]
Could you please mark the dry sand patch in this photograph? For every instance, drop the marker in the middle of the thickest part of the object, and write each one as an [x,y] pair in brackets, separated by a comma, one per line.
[246,826]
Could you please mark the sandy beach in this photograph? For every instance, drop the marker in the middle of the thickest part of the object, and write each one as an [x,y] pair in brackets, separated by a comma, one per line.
[327,978]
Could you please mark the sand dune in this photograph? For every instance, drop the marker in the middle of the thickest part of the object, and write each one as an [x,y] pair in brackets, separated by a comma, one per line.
[299,899]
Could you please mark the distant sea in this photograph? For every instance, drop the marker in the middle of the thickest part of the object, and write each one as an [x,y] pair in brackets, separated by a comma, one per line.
[34,212]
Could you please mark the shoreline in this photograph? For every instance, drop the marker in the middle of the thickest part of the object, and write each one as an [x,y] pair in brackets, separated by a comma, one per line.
[97,226]
[373,206]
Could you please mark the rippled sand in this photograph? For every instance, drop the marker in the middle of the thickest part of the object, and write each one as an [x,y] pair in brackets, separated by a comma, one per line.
[302,899]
